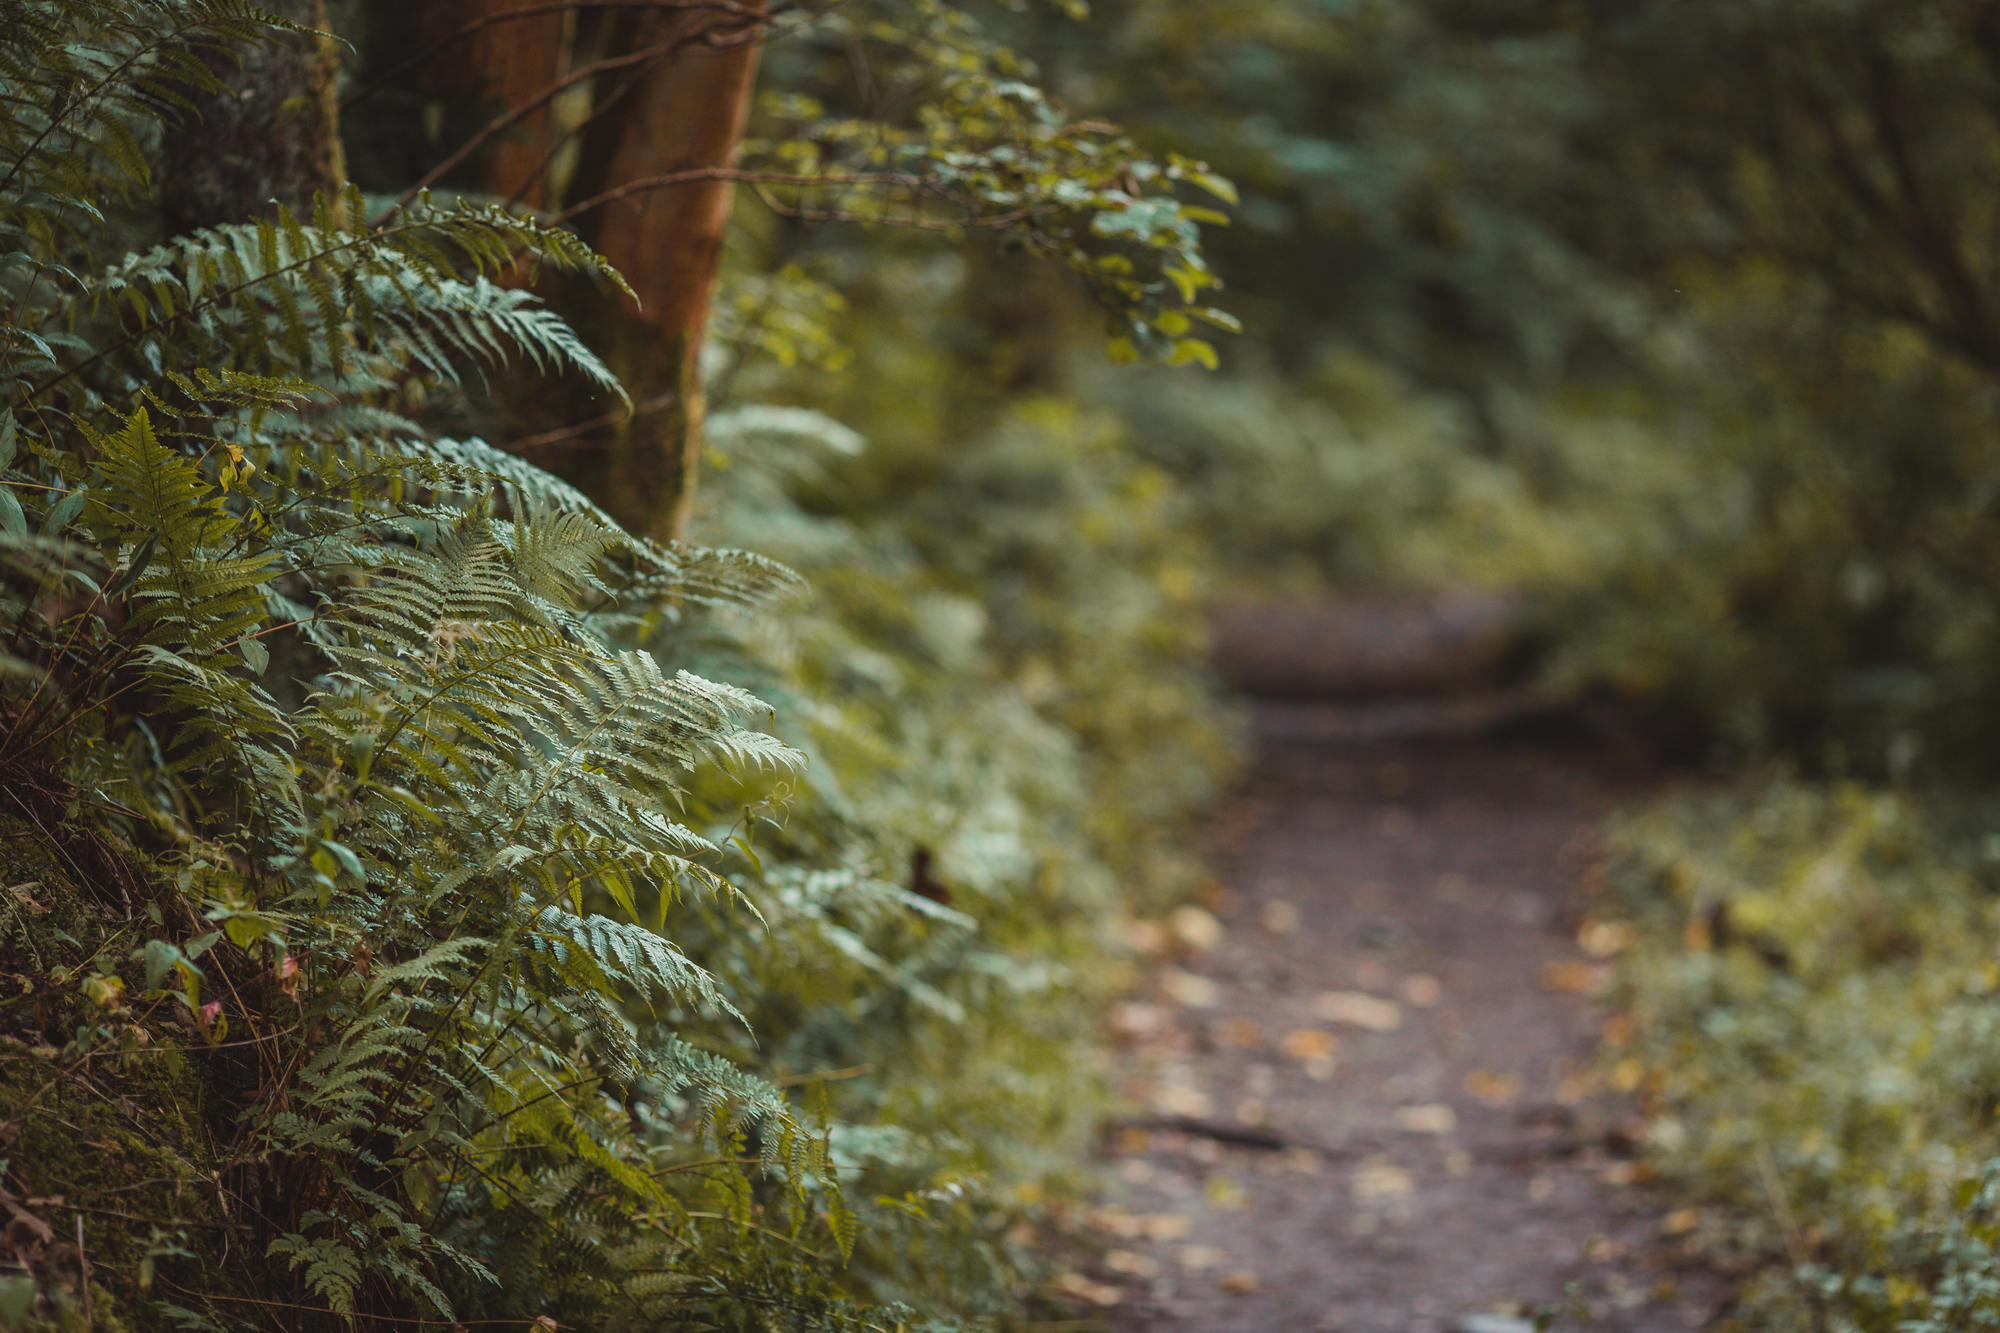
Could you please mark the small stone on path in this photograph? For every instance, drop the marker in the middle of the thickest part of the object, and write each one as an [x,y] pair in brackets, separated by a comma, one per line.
[1493,1323]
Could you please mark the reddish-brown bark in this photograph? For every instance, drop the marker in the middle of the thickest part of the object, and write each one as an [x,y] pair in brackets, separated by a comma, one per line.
[686,112]
[674,96]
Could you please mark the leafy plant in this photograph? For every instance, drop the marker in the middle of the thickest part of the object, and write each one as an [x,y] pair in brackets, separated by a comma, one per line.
[350,811]
[392,881]
[1810,1015]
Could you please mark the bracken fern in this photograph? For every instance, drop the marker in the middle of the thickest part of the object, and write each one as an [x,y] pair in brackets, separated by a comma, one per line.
[370,823]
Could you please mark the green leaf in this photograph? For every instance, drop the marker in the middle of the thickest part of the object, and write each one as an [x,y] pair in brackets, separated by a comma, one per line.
[142,557]
[1220,186]
[1193,350]
[64,512]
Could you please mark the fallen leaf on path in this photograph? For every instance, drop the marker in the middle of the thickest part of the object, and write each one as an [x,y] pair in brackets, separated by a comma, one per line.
[1376,1181]
[1190,989]
[1622,1173]
[1433,1118]
[1372,974]
[1132,1264]
[1225,1195]
[1572,1089]
[1422,990]
[1604,1250]
[1574,977]
[1165,1226]
[1179,1099]
[1251,1111]
[1681,1221]
[1134,1021]
[1359,1010]
[1493,1087]
[1279,918]
[1114,1222]
[1319,1070]
[1241,1032]
[1131,1141]
[1309,1044]
[1605,939]
[1201,1256]
[1079,1287]
[1241,1283]
[1304,1161]
[1144,936]
[1195,928]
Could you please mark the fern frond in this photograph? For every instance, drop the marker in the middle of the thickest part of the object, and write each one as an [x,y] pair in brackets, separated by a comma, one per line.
[632,956]
[88,68]
[271,296]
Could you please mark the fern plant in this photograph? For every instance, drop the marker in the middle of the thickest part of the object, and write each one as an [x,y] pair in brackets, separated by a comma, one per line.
[348,823]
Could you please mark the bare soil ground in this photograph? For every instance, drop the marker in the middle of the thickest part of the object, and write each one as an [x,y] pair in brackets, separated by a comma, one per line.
[1369,1092]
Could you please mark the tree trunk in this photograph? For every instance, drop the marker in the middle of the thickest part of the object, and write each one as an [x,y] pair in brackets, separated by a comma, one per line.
[686,112]
[273,137]
[682,107]
[500,66]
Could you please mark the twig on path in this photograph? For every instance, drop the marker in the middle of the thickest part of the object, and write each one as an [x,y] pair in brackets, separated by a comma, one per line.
[1238,1136]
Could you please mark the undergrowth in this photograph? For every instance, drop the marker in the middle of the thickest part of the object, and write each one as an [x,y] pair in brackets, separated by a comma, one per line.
[404,920]
[1813,1016]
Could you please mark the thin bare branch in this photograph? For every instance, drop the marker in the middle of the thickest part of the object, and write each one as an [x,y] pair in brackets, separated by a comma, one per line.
[567,434]
[645,57]
[743,176]
[733,8]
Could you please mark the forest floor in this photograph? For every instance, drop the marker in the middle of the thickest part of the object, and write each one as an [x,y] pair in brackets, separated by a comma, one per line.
[1369,1065]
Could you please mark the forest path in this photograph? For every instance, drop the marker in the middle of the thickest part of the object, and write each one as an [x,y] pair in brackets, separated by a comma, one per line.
[1392,992]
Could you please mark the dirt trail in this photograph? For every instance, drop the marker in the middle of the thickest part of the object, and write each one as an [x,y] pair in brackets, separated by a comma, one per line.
[1394,1004]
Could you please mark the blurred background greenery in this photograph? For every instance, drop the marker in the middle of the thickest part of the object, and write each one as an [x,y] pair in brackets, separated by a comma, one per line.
[1675,320]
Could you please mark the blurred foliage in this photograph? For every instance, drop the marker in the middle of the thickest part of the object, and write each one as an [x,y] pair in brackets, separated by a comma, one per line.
[1680,315]
[1813,1018]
